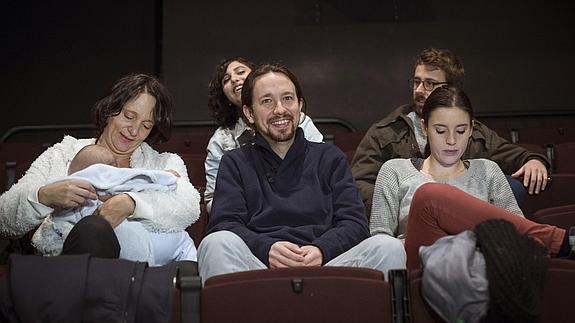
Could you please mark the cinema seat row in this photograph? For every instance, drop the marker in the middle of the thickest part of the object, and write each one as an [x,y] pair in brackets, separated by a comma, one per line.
[327,294]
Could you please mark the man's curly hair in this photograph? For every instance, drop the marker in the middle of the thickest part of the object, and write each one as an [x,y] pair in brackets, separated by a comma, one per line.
[445,60]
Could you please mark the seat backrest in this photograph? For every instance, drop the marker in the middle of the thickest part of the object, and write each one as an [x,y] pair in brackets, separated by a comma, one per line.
[545,135]
[16,158]
[318,294]
[559,192]
[325,271]
[560,216]
[196,168]
[348,141]
[420,310]
[198,229]
[185,143]
[564,156]
[558,299]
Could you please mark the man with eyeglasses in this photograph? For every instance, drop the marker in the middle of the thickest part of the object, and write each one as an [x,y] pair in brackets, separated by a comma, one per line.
[399,135]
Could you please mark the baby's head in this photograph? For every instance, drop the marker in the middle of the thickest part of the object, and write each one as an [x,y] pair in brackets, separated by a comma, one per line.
[90,155]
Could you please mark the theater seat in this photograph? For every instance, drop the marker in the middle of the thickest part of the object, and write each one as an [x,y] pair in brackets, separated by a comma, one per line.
[545,135]
[559,192]
[310,294]
[196,168]
[557,297]
[560,216]
[348,142]
[185,143]
[564,157]
[198,229]
[421,311]
[16,158]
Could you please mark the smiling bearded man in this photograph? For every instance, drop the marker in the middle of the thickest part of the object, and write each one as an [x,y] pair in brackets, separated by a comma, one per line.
[283,201]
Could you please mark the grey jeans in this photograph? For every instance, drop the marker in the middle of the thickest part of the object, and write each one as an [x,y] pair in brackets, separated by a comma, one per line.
[225,252]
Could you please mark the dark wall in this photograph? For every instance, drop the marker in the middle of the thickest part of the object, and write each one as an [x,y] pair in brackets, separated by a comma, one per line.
[59,57]
[354,57]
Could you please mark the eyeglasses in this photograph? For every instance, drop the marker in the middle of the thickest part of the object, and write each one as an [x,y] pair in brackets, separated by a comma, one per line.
[428,85]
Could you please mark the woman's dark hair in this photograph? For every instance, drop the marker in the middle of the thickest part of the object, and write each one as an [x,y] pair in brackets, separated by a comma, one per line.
[128,88]
[224,112]
[248,89]
[446,97]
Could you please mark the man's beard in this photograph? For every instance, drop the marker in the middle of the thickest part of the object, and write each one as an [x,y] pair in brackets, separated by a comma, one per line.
[418,102]
[281,135]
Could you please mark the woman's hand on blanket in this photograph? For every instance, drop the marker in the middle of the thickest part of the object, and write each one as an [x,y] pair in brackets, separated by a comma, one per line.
[116,209]
[66,194]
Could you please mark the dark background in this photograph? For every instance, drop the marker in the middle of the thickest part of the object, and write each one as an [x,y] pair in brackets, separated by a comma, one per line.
[353,58]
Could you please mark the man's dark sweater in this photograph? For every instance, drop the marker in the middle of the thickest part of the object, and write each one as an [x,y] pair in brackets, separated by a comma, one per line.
[308,198]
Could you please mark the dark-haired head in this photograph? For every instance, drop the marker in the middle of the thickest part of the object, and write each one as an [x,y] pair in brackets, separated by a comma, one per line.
[445,60]
[128,89]
[225,113]
[446,97]
[248,89]
[447,118]
[272,93]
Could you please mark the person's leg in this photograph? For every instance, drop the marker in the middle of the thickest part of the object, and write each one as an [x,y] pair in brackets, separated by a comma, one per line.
[438,210]
[518,189]
[169,246]
[225,252]
[188,250]
[381,252]
[92,235]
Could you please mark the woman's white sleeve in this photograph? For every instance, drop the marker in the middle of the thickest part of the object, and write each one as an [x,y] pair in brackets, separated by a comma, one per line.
[171,211]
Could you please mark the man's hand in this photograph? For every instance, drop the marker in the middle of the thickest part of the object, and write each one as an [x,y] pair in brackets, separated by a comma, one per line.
[534,176]
[66,194]
[116,209]
[312,256]
[285,254]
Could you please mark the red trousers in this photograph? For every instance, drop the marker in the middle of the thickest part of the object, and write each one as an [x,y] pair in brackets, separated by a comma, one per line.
[438,210]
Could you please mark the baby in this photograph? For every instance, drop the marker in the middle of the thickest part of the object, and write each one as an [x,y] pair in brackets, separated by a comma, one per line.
[90,155]
[97,165]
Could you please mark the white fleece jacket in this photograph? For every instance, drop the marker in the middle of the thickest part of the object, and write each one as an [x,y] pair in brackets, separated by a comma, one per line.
[21,212]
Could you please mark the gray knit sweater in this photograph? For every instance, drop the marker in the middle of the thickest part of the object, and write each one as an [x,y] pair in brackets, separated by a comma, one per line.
[398,179]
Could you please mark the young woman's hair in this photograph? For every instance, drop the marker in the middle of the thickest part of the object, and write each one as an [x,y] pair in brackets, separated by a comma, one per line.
[446,97]
[224,112]
[128,88]
[249,83]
